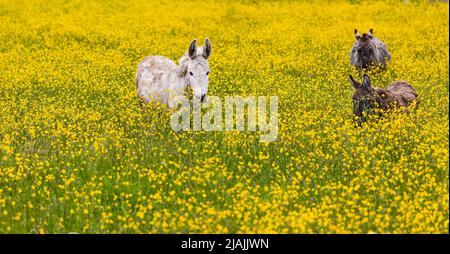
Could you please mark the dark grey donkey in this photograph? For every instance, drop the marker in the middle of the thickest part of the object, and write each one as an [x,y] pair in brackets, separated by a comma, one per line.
[368,52]
[367,98]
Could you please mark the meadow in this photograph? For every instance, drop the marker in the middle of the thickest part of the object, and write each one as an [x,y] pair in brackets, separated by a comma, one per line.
[78,155]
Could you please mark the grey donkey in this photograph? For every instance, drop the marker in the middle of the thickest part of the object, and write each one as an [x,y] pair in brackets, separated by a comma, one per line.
[368,52]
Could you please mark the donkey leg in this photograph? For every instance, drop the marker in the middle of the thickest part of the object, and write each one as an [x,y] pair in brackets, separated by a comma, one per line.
[141,105]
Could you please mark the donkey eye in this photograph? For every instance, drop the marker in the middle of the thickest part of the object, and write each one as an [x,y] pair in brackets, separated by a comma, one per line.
[190,73]
[207,73]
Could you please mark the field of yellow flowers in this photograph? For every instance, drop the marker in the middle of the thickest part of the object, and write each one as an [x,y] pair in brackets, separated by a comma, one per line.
[78,155]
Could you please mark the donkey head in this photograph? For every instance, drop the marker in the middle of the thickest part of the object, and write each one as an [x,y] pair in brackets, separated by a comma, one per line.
[365,47]
[363,98]
[197,68]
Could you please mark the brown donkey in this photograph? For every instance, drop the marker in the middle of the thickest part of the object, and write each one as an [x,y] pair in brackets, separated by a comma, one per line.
[367,99]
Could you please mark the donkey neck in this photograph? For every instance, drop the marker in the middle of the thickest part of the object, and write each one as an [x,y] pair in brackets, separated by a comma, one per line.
[184,81]
[379,94]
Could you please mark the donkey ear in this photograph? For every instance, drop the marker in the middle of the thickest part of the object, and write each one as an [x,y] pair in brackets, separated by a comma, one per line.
[357,36]
[206,49]
[353,82]
[370,33]
[193,49]
[366,80]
